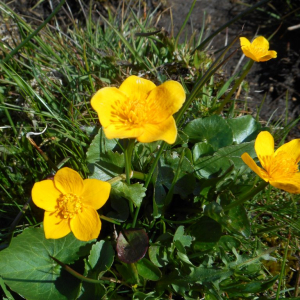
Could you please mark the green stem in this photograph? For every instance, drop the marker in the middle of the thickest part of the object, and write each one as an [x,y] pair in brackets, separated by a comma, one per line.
[163,145]
[236,85]
[14,51]
[128,155]
[248,195]
[109,220]
[283,267]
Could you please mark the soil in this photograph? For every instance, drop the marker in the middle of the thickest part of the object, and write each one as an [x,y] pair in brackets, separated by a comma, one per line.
[277,81]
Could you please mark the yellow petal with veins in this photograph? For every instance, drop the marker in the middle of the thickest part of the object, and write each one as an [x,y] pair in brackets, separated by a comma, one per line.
[95,193]
[55,227]
[86,225]
[165,131]
[136,88]
[68,181]
[44,195]
[264,148]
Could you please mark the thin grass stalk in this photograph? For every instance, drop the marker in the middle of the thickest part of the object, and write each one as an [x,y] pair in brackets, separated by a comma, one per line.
[236,85]
[283,267]
[202,80]
[184,24]
[244,13]
[22,44]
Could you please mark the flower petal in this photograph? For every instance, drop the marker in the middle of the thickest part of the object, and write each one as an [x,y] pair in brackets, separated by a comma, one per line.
[166,131]
[291,149]
[44,195]
[55,227]
[270,54]
[165,100]
[95,193]
[136,87]
[247,52]
[264,148]
[261,42]
[244,42]
[68,181]
[291,185]
[106,102]
[247,159]
[86,225]
[121,131]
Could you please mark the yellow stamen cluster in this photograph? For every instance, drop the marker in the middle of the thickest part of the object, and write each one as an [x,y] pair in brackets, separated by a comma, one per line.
[134,113]
[69,205]
[282,167]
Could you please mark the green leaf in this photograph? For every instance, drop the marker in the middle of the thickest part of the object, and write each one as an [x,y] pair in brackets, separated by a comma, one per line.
[245,128]
[212,130]
[158,255]
[26,266]
[202,149]
[109,165]
[134,192]
[103,162]
[99,261]
[185,240]
[128,272]
[208,275]
[99,145]
[148,270]
[101,258]
[207,233]
[120,208]
[216,165]
[238,224]
[251,287]
[240,220]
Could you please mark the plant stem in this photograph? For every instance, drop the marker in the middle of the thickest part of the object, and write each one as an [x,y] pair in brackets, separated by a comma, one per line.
[148,178]
[128,155]
[283,267]
[236,85]
[248,195]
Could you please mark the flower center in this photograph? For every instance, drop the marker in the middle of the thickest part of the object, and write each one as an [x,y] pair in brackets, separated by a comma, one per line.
[69,205]
[258,51]
[282,166]
[134,113]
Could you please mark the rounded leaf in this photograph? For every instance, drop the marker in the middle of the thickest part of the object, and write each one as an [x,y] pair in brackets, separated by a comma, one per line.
[132,245]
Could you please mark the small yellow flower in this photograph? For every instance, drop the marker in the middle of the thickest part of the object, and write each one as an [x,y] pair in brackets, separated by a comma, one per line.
[70,204]
[139,109]
[258,50]
[279,168]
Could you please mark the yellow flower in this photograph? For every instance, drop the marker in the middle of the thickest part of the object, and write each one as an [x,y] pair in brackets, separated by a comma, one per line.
[70,204]
[139,109]
[258,50]
[280,168]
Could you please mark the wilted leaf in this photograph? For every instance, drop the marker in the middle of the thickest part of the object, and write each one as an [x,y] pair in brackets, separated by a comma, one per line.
[132,245]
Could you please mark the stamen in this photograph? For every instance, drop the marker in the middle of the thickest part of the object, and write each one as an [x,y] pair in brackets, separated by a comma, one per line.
[69,205]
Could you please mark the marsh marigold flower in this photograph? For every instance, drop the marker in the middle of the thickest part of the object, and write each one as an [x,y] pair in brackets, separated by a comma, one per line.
[139,109]
[71,204]
[279,168]
[258,50]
